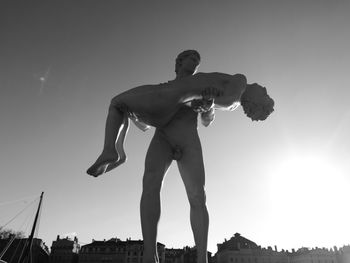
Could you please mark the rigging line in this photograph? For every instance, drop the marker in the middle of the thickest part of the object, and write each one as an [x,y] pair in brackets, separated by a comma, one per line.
[7,246]
[15,201]
[15,252]
[20,212]
[26,220]
[29,216]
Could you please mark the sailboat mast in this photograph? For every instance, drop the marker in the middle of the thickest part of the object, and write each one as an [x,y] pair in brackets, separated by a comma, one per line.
[26,257]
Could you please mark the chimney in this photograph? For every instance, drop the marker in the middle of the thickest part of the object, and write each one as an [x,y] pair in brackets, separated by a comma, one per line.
[276,248]
[58,237]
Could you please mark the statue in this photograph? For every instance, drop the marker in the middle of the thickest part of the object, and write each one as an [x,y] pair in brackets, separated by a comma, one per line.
[172,108]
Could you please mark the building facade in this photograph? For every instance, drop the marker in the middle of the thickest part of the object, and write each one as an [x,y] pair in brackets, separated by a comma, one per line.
[171,254]
[116,251]
[343,254]
[241,250]
[189,255]
[315,255]
[64,250]
[103,251]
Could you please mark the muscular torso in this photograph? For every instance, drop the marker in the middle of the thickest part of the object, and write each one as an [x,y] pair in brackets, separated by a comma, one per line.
[180,134]
[184,121]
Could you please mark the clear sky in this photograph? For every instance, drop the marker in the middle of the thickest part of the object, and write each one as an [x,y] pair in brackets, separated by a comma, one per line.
[284,181]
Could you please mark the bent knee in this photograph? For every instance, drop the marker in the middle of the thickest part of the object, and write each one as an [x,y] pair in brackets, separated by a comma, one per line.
[115,101]
[242,79]
[118,104]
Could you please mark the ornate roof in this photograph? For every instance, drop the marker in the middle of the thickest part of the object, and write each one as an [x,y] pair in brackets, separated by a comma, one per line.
[237,242]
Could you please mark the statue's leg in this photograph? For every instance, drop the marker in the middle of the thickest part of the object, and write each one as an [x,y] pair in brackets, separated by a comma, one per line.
[158,160]
[109,155]
[119,145]
[191,168]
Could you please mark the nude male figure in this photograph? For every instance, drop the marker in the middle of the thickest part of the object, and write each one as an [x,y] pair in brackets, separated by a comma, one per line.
[176,137]
[178,140]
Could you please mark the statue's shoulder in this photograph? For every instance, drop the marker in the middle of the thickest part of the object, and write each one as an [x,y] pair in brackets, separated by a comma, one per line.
[213,74]
[212,78]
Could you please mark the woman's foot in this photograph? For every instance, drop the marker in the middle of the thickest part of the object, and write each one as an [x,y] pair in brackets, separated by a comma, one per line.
[115,164]
[102,164]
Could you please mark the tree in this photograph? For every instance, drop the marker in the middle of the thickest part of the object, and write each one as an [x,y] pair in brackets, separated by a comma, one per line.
[7,233]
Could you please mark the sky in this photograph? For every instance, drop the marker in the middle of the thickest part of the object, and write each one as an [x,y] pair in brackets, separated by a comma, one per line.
[283,181]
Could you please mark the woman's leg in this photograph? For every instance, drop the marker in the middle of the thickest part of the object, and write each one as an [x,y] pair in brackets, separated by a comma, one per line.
[109,155]
[119,145]
[158,160]
[191,168]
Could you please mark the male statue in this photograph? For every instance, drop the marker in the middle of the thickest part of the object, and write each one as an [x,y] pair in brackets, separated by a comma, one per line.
[172,109]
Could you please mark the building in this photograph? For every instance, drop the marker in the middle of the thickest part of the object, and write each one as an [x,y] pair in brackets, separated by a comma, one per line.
[171,254]
[189,255]
[64,250]
[134,251]
[112,250]
[315,255]
[39,251]
[343,254]
[242,250]
[116,251]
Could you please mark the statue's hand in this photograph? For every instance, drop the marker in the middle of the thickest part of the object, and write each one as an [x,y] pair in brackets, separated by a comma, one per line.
[211,93]
[203,105]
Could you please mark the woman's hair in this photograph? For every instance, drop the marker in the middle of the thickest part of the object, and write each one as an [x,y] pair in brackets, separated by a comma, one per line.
[185,54]
[256,103]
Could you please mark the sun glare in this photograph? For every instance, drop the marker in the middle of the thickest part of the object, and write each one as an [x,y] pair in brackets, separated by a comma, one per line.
[307,194]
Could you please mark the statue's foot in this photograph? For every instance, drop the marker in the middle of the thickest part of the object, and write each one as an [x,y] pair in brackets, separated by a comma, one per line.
[115,164]
[102,163]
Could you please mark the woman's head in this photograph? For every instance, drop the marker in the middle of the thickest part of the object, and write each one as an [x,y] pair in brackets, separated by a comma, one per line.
[187,54]
[256,103]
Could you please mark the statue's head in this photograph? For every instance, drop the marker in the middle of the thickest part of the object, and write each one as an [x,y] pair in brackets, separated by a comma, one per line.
[256,103]
[183,55]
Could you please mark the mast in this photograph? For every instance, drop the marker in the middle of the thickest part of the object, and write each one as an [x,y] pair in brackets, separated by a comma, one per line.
[26,255]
